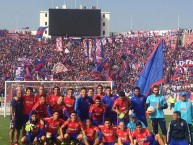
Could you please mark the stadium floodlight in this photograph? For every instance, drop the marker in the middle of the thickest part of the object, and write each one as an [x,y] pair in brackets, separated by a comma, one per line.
[10,87]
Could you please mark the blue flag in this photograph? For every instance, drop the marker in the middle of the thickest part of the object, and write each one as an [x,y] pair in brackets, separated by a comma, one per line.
[40,32]
[152,73]
[100,67]
[39,64]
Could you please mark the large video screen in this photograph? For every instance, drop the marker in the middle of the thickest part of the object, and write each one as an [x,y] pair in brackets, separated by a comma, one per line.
[74,22]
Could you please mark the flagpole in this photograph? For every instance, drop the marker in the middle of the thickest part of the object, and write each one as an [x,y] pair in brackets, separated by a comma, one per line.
[131,22]
[178,22]
[17,23]
[97,4]
[75,4]
[52,4]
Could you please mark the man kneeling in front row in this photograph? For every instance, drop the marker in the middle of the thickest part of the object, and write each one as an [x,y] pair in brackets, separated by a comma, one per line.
[178,131]
[142,136]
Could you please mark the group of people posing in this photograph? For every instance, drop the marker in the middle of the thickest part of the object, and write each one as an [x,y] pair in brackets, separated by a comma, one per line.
[92,119]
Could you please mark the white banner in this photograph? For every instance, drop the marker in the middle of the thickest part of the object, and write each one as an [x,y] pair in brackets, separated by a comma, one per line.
[59,68]
[59,46]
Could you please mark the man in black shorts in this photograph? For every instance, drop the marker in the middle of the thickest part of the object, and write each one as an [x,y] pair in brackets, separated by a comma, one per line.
[16,115]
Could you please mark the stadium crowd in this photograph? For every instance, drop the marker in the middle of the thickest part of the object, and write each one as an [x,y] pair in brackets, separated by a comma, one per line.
[126,58]
[44,116]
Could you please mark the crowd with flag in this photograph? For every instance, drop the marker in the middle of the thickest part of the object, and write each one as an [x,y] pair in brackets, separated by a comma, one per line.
[136,61]
[120,58]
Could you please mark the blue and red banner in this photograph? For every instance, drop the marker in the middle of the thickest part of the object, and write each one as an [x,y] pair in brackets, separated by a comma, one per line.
[39,64]
[98,51]
[40,32]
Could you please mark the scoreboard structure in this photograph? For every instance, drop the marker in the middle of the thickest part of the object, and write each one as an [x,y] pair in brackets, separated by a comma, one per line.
[74,22]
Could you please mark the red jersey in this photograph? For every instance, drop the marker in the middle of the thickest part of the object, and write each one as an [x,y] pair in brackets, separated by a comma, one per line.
[28,103]
[73,127]
[69,103]
[122,105]
[91,132]
[36,128]
[108,133]
[98,95]
[52,125]
[41,109]
[97,111]
[37,98]
[52,99]
[123,135]
[58,107]
[141,136]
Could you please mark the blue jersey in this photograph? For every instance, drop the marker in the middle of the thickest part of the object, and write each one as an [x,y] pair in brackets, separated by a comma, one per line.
[18,108]
[109,101]
[186,110]
[138,105]
[155,101]
[82,106]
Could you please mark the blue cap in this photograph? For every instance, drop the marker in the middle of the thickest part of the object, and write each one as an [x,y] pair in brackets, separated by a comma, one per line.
[133,115]
[182,94]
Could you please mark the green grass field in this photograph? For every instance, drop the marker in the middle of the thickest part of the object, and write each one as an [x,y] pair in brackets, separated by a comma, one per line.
[4,128]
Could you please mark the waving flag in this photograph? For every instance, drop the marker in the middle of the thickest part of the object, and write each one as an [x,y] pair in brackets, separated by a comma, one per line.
[39,64]
[59,68]
[59,46]
[100,67]
[40,32]
[153,70]
[25,28]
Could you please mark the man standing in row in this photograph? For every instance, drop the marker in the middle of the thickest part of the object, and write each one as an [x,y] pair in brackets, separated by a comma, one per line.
[159,103]
[185,107]
[82,104]
[138,105]
[16,116]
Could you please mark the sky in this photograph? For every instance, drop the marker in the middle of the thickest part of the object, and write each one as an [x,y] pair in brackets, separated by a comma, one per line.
[145,14]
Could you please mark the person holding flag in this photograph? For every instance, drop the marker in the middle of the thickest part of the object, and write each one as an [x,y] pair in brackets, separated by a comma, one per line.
[138,105]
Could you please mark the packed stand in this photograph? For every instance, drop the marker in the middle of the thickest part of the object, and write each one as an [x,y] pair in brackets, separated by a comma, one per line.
[126,58]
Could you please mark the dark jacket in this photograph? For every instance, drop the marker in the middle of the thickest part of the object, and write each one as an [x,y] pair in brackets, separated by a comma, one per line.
[178,130]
